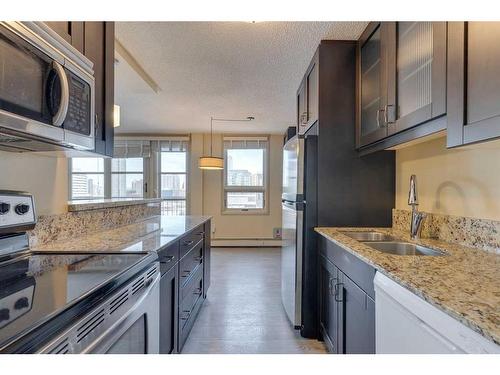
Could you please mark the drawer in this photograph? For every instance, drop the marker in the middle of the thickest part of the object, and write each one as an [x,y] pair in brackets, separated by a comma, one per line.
[190,294]
[190,263]
[190,240]
[168,257]
[190,307]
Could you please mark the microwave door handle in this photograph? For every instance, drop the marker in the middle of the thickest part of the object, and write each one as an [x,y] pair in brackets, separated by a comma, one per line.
[60,116]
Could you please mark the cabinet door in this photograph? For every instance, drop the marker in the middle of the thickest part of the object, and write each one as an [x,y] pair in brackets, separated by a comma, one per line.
[473,82]
[372,87]
[169,302]
[71,31]
[358,318]
[206,258]
[302,108]
[99,48]
[416,81]
[329,311]
[312,94]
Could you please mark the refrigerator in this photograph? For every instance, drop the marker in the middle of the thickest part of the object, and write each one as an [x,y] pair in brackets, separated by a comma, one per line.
[298,220]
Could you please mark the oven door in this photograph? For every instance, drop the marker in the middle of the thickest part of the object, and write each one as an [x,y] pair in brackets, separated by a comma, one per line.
[34,88]
[137,331]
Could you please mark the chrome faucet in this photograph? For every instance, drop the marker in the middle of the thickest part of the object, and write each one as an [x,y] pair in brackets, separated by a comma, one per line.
[417,217]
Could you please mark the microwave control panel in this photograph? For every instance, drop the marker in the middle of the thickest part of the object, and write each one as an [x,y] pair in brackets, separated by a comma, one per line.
[78,116]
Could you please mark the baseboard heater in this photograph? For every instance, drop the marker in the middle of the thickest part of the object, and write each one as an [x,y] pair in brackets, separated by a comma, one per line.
[245,242]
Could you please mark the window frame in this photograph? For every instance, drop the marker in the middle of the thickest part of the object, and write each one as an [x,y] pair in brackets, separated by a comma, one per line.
[104,173]
[246,189]
[145,176]
[186,173]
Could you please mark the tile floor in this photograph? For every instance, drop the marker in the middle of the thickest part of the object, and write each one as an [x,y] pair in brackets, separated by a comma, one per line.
[243,311]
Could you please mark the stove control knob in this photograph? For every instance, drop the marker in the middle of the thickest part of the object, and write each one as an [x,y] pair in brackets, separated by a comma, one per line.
[22,209]
[4,314]
[4,208]
[21,303]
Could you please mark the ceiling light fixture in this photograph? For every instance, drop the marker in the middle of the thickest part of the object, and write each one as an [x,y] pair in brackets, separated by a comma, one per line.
[213,162]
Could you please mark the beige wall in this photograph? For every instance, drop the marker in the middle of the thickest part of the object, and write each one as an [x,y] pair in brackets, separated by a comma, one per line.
[206,188]
[45,177]
[461,182]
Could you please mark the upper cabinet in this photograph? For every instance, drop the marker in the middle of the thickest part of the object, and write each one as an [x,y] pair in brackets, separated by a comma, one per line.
[96,41]
[308,98]
[401,81]
[473,82]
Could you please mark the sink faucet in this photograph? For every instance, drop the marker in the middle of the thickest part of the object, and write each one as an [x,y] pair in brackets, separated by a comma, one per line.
[417,217]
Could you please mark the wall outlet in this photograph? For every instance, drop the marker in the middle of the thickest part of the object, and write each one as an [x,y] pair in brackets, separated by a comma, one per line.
[277,233]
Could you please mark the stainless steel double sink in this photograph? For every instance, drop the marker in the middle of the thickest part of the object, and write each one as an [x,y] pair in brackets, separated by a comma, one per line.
[390,245]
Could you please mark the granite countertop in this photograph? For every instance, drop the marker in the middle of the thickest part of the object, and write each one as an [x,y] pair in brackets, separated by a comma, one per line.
[95,204]
[465,284]
[145,236]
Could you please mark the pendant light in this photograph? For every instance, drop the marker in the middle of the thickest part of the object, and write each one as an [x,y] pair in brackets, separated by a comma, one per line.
[213,162]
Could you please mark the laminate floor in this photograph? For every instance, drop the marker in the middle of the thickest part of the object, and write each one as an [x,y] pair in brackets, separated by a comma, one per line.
[243,313]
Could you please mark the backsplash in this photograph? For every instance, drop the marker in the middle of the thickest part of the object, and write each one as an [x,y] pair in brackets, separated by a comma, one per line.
[478,233]
[75,224]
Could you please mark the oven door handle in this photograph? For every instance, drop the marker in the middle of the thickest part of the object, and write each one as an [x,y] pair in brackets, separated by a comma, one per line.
[108,338]
[61,113]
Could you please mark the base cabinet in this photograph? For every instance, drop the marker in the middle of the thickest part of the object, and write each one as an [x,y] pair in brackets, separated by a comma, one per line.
[185,266]
[347,312]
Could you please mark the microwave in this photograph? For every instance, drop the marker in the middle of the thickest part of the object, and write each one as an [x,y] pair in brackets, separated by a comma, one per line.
[47,91]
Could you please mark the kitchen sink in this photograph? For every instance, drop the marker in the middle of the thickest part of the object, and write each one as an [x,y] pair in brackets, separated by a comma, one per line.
[367,236]
[403,248]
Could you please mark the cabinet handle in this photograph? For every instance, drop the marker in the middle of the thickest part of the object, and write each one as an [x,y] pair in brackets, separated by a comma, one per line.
[186,273]
[330,285]
[379,125]
[200,233]
[197,291]
[167,259]
[337,292]
[187,243]
[186,317]
[386,114]
[198,259]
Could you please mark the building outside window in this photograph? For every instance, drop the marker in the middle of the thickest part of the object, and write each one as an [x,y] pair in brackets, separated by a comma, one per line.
[127,178]
[87,178]
[245,174]
[174,176]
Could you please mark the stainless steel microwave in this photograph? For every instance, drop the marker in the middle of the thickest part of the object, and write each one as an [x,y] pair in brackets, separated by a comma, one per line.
[46,91]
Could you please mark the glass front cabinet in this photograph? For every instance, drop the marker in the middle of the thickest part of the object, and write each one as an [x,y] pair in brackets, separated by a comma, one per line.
[401,78]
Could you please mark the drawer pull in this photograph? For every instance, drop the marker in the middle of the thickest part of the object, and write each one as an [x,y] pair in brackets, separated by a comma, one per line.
[200,233]
[186,273]
[197,291]
[167,259]
[198,259]
[188,243]
[186,317]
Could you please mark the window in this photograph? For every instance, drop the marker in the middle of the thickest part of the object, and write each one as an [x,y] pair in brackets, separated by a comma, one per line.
[245,174]
[127,178]
[87,178]
[173,176]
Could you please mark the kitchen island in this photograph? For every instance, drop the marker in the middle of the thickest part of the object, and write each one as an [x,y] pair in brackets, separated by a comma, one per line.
[182,244]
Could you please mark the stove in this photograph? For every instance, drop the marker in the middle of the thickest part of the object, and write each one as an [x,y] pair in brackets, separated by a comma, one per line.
[43,294]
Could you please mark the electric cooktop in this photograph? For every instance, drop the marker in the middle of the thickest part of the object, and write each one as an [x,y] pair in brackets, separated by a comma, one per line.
[38,287]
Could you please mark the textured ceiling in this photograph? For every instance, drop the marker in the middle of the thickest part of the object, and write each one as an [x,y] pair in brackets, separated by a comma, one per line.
[220,69]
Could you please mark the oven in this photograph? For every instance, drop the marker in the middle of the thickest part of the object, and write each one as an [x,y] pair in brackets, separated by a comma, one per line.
[46,90]
[127,322]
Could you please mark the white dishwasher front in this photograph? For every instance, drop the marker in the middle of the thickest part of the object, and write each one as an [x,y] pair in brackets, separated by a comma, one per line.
[406,324]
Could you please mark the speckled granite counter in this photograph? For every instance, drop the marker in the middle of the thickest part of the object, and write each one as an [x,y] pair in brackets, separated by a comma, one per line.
[95,204]
[145,236]
[465,284]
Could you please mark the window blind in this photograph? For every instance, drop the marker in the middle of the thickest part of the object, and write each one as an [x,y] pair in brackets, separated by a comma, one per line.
[132,148]
[245,143]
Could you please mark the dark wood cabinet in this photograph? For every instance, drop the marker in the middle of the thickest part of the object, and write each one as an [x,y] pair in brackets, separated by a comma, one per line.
[347,306]
[185,269]
[473,82]
[99,48]
[308,97]
[330,321]
[96,40]
[401,82]
[71,31]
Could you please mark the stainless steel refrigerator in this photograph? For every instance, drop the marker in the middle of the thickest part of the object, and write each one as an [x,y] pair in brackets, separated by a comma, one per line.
[292,229]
